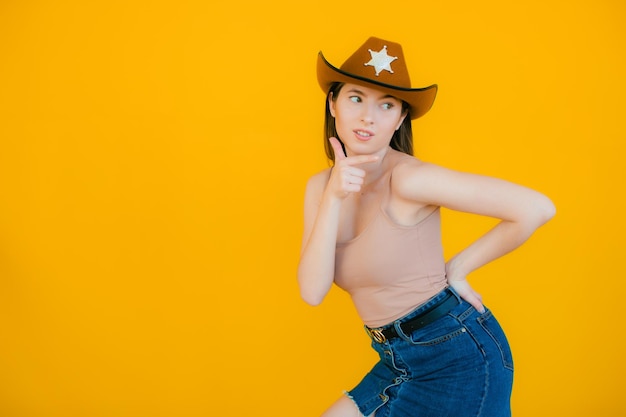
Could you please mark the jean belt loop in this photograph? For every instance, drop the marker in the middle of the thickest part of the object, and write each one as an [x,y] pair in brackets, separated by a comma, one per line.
[453,292]
[398,327]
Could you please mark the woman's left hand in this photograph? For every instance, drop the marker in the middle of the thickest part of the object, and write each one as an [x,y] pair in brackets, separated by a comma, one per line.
[463,288]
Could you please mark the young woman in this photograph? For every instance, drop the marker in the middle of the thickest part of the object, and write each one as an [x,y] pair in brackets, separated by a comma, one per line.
[372,226]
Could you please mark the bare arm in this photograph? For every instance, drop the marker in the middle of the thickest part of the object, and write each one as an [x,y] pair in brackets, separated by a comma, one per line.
[316,269]
[324,195]
[520,209]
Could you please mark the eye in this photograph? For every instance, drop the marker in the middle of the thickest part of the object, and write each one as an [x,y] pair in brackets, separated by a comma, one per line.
[387,106]
[355,99]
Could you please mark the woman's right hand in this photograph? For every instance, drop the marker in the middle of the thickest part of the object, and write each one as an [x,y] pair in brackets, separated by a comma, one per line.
[322,207]
[345,177]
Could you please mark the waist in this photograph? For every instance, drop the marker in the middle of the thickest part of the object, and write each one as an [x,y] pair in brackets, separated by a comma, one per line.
[379,306]
[434,308]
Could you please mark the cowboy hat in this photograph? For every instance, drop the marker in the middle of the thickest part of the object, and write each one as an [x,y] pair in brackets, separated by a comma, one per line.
[378,64]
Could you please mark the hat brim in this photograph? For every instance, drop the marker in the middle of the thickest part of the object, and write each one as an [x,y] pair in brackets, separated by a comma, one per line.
[420,100]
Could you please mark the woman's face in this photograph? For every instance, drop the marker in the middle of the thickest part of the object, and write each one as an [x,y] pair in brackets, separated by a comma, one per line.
[365,118]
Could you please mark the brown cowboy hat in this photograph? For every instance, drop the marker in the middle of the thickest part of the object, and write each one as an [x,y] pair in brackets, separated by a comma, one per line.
[379,64]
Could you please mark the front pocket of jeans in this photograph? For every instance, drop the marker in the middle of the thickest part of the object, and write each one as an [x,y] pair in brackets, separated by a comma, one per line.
[443,330]
[491,326]
[438,340]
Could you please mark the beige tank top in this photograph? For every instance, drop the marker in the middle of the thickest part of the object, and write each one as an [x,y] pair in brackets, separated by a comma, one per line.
[390,269]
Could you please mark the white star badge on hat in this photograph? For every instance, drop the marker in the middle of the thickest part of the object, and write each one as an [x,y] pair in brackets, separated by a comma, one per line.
[381,61]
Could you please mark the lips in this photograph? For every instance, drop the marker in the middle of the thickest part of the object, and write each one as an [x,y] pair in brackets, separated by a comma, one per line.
[363,135]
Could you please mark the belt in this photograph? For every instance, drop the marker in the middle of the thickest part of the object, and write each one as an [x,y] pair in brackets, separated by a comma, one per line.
[435,312]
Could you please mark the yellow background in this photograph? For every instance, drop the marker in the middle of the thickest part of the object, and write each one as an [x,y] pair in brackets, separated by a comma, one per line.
[153,157]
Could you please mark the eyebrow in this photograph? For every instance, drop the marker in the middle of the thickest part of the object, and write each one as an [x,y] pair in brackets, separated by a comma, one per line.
[387,96]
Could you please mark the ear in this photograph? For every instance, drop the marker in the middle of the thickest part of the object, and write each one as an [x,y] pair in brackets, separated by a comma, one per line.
[331,104]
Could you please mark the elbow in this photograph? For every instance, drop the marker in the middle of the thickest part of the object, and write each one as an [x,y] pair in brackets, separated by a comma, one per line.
[311,299]
[541,211]
[311,296]
[545,210]
[310,293]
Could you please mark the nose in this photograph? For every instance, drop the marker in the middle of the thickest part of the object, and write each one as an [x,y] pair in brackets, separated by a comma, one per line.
[367,115]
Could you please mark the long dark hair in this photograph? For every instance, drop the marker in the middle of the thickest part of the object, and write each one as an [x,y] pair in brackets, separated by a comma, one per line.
[402,139]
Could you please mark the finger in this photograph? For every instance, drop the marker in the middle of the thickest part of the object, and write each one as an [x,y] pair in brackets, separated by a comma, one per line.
[348,171]
[353,160]
[468,294]
[361,159]
[475,302]
[337,149]
[354,179]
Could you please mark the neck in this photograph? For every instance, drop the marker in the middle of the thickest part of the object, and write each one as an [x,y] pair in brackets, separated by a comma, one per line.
[375,170]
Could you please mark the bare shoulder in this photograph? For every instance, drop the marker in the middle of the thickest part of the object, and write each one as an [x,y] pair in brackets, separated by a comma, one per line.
[320,179]
[317,183]
[411,174]
[408,166]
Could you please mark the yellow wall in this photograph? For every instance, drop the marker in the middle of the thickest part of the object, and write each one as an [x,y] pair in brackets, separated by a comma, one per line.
[153,157]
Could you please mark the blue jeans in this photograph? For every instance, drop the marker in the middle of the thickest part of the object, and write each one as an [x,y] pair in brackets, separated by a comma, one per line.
[458,366]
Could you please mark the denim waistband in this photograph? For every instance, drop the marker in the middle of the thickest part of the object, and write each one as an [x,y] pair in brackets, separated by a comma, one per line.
[428,312]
